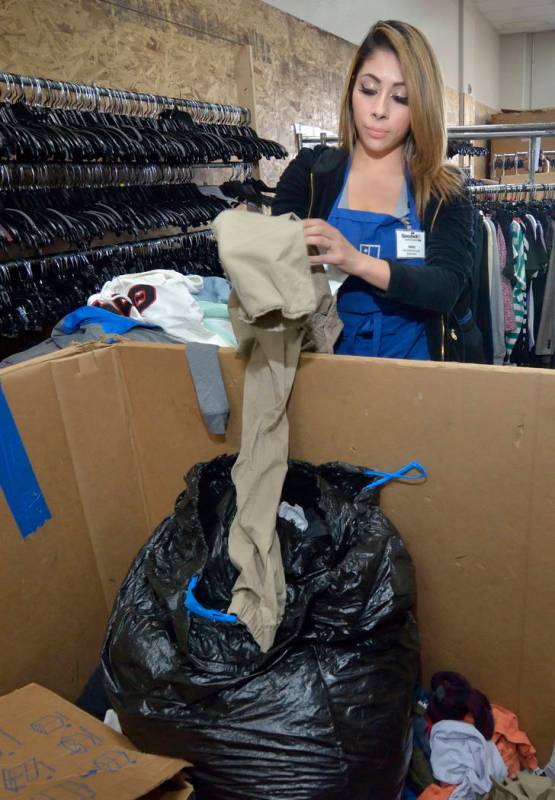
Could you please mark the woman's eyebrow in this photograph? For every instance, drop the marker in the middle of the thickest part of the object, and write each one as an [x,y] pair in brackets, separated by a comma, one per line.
[379,80]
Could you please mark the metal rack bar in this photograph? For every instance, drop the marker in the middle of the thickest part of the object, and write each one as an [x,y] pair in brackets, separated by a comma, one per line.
[529,130]
[511,187]
[524,131]
[83,97]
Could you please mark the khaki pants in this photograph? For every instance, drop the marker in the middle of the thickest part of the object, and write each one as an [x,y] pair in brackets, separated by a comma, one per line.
[279,305]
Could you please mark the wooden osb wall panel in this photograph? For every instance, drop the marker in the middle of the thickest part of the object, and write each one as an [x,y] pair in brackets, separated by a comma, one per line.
[183,48]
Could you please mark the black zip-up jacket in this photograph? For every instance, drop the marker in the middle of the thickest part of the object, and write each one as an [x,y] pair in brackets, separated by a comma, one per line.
[309,187]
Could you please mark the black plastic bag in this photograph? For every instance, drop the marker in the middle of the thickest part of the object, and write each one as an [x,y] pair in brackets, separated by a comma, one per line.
[325,714]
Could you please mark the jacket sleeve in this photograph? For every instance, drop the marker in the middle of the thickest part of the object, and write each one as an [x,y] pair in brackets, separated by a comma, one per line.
[293,189]
[449,260]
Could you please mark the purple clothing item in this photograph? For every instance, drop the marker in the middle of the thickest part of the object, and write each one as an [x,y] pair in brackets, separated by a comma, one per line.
[508,307]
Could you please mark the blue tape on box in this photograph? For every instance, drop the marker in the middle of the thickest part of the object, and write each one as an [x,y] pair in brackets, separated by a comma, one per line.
[17,479]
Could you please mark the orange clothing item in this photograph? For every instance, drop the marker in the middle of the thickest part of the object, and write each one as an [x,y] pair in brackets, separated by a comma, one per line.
[437,792]
[513,744]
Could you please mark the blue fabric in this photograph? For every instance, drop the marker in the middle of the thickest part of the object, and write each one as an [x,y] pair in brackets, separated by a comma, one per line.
[17,478]
[215,290]
[408,794]
[373,324]
[108,320]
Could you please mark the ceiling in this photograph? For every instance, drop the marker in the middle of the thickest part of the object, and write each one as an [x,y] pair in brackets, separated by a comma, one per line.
[519,16]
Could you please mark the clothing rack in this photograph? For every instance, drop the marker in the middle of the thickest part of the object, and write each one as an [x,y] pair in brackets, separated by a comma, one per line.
[155,245]
[532,131]
[56,241]
[50,93]
[312,135]
[74,176]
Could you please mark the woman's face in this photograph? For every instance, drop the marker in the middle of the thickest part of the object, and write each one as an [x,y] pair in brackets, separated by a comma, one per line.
[380,104]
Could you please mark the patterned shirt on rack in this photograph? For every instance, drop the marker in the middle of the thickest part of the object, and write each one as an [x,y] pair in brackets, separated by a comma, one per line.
[520,254]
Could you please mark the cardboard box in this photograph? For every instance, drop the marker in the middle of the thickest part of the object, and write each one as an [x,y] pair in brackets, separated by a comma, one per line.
[111,431]
[51,750]
[519,145]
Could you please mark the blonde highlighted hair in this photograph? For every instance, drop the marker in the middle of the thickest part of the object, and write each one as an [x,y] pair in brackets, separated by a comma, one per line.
[426,145]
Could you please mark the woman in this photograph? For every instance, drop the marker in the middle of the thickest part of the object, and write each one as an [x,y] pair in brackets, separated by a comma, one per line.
[386,211]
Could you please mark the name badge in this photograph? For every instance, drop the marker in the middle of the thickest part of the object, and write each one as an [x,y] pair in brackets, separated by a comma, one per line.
[411,244]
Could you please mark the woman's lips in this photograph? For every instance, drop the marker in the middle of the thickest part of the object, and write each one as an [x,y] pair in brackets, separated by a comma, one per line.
[375,133]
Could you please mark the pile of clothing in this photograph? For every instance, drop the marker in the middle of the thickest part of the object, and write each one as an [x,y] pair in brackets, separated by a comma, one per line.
[160,305]
[466,748]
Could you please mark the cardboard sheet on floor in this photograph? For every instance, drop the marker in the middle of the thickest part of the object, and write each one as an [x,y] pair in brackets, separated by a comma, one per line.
[51,750]
[111,431]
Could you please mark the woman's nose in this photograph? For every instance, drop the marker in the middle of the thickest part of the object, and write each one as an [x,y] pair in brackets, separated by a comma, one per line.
[380,109]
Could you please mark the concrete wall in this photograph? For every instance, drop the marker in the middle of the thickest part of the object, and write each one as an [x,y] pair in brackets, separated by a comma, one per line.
[528,70]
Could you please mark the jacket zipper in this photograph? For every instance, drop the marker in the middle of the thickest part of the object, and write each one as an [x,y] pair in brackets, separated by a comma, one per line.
[442,315]
[311,195]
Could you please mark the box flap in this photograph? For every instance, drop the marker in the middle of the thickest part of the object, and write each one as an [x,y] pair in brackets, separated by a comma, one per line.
[51,750]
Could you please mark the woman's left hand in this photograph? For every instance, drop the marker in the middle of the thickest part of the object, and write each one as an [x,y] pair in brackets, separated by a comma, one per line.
[333,246]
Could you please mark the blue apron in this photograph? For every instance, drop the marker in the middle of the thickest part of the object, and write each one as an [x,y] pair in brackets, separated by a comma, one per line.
[375,325]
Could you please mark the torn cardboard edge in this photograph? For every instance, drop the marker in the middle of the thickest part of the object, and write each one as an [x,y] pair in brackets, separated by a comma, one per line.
[50,749]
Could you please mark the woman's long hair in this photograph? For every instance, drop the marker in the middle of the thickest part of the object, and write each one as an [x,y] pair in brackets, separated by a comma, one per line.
[426,145]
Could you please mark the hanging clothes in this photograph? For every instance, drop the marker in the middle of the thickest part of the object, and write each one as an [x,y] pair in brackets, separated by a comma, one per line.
[278,304]
[374,325]
[545,343]
[496,294]
[508,308]
[520,251]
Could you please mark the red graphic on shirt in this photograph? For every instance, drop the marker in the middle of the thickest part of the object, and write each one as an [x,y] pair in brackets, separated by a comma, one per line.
[121,304]
[142,295]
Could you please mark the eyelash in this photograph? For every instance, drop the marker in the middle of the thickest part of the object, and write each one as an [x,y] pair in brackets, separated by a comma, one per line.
[404,101]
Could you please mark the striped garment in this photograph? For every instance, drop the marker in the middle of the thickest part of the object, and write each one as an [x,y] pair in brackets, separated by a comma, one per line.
[520,254]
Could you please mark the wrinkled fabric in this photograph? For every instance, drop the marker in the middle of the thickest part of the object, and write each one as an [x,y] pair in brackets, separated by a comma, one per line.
[436,792]
[89,324]
[326,713]
[526,787]
[508,308]
[214,290]
[545,341]
[208,382]
[164,297]
[278,305]
[549,768]
[514,745]
[453,698]
[496,294]
[461,756]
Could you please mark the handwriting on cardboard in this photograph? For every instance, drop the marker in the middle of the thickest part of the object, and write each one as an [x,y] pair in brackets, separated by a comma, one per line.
[51,750]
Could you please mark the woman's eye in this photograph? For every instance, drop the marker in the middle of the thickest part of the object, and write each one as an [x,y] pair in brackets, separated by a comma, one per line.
[403,100]
[366,90]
